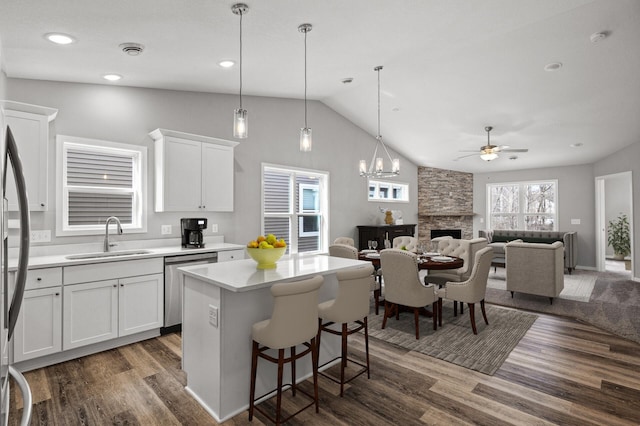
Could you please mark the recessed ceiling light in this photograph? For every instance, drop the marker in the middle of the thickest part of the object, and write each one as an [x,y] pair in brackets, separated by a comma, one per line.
[132,49]
[599,36]
[553,66]
[513,157]
[395,109]
[59,38]
[576,145]
[112,77]
[226,64]
[347,80]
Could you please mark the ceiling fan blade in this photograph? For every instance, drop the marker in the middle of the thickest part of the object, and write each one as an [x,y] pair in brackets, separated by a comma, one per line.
[465,156]
[469,150]
[515,150]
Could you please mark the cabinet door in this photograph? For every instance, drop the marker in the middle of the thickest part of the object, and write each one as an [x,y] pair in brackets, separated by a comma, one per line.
[140,304]
[31,133]
[38,330]
[90,313]
[217,178]
[181,175]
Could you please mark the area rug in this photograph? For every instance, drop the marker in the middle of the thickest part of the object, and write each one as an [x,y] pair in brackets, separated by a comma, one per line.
[614,304]
[577,286]
[455,342]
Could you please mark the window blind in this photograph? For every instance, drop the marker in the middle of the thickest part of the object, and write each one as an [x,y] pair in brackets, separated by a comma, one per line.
[99,169]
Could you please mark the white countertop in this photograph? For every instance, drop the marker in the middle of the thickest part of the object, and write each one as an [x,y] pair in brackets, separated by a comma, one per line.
[242,275]
[52,256]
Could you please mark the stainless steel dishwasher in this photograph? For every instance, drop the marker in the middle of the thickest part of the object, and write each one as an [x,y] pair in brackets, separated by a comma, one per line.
[173,286]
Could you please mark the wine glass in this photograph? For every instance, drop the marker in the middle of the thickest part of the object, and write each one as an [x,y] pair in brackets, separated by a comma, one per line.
[369,243]
[374,244]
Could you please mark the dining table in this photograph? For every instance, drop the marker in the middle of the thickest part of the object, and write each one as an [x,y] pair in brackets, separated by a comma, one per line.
[428,261]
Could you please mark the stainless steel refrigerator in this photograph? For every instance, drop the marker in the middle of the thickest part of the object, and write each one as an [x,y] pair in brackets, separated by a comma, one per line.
[12,294]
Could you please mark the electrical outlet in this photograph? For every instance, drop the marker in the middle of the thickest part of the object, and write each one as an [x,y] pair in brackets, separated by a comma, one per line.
[41,236]
[213,315]
[214,228]
[165,229]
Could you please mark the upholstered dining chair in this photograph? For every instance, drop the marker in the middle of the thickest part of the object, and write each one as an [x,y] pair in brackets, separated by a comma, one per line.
[408,242]
[344,240]
[472,290]
[350,252]
[349,310]
[402,287]
[294,321]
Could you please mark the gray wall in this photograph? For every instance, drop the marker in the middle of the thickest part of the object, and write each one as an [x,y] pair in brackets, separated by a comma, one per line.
[625,160]
[576,200]
[125,114]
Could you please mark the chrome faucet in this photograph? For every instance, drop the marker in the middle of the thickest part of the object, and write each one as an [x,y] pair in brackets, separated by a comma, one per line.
[107,246]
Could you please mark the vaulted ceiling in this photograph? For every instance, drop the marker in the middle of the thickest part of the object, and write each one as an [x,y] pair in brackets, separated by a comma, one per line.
[451,67]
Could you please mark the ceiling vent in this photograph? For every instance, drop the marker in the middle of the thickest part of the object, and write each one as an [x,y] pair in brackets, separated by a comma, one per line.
[132,49]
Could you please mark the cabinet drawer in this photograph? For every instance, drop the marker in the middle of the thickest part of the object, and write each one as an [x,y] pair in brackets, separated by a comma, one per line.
[43,278]
[112,270]
[225,256]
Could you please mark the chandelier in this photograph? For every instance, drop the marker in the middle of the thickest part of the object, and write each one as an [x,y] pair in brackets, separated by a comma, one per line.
[376,167]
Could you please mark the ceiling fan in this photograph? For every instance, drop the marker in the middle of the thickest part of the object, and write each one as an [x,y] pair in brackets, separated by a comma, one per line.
[490,152]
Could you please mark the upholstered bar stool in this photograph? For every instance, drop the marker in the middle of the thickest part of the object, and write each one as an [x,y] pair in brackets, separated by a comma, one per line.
[350,252]
[350,307]
[294,321]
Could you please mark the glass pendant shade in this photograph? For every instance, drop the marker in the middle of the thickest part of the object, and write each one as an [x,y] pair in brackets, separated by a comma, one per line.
[305,139]
[240,123]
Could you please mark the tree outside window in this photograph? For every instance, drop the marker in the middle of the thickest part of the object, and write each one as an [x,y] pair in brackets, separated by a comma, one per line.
[523,205]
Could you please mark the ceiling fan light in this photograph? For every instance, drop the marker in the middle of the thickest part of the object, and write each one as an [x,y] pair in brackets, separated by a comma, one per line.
[489,156]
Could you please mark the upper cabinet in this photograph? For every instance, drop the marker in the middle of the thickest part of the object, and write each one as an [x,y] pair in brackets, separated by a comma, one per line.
[193,173]
[30,127]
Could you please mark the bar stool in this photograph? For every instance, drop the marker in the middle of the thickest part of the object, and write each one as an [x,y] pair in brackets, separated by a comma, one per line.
[351,306]
[293,322]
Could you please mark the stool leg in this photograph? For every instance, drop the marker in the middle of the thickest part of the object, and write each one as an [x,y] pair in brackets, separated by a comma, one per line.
[343,363]
[366,344]
[314,368]
[254,369]
[293,370]
[376,298]
[279,397]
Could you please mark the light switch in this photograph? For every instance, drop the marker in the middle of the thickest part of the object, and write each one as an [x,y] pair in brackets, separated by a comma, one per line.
[165,229]
[214,228]
[575,221]
[213,315]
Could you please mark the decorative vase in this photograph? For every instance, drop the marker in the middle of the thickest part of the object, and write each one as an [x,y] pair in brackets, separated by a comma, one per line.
[388,217]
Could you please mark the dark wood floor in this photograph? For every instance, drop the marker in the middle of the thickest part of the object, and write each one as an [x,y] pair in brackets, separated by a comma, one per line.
[562,372]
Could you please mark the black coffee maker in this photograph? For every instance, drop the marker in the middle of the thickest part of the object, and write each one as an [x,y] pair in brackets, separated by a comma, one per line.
[192,232]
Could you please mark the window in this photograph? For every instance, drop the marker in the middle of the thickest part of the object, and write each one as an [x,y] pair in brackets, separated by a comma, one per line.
[295,206]
[388,191]
[99,179]
[530,206]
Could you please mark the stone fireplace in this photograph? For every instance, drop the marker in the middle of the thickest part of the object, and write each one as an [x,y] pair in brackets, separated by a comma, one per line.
[445,202]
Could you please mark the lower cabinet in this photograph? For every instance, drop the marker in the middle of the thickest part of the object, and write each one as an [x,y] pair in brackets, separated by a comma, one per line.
[38,329]
[103,310]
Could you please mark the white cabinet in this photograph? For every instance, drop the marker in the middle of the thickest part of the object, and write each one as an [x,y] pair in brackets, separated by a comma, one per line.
[192,172]
[140,304]
[90,313]
[38,329]
[108,300]
[30,128]
[227,255]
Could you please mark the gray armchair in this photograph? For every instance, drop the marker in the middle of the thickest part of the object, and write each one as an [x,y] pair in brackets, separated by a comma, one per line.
[535,268]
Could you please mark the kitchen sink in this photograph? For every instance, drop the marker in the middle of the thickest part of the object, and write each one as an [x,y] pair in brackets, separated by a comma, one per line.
[107,254]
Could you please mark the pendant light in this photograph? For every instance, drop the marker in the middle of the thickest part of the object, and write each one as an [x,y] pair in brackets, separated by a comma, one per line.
[376,167]
[305,132]
[240,123]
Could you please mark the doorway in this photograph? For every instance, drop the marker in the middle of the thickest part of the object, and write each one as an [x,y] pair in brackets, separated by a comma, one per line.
[614,197]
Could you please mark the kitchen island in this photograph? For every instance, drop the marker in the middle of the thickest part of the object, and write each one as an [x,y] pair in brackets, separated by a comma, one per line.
[221,303]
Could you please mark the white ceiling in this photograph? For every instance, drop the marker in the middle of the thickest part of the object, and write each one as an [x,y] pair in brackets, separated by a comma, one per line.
[451,67]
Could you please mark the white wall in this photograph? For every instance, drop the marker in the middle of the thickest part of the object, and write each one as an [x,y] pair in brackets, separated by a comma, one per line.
[125,114]
[576,200]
